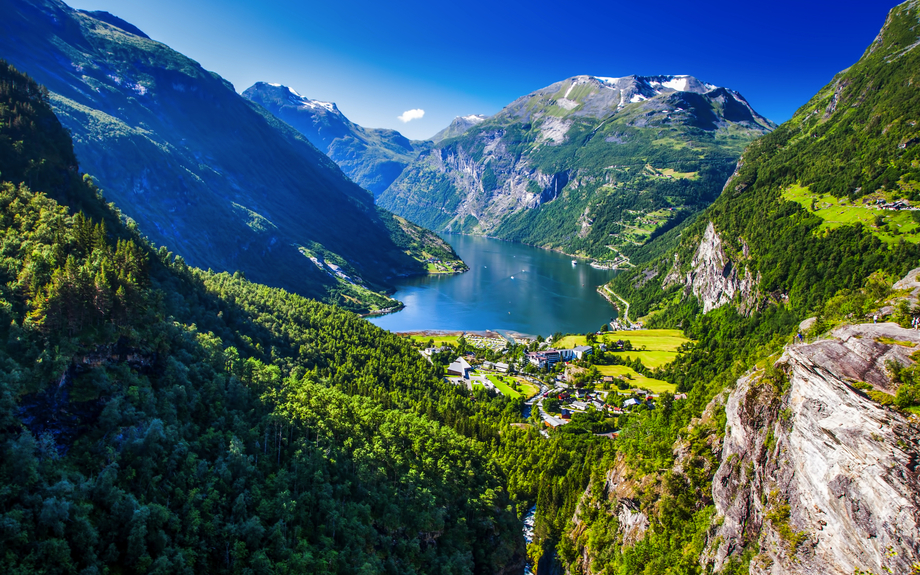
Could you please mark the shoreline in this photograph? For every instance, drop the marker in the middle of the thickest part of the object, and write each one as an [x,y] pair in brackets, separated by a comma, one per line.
[597,264]
[459,332]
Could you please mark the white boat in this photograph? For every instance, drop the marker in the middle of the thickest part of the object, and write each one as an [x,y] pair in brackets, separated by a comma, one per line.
[574,262]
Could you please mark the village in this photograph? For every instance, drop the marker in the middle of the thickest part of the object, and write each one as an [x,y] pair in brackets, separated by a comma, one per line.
[592,380]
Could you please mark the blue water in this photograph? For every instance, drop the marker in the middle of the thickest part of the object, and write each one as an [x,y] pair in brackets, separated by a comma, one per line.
[509,287]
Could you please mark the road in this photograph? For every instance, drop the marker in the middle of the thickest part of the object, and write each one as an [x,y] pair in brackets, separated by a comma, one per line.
[626,303]
[538,401]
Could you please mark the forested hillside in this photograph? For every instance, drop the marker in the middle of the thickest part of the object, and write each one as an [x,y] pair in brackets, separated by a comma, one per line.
[157,418]
[808,226]
[202,170]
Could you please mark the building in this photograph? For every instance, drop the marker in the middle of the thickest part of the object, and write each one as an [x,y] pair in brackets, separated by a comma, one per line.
[497,366]
[582,350]
[429,351]
[545,358]
[460,368]
[566,354]
[631,402]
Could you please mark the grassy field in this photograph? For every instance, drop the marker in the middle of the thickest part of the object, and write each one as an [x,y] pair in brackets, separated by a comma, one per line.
[503,387]
[838,212]
[652,339]
[650,359]
[660,344]
[638,380]
[439,340]
[528,389]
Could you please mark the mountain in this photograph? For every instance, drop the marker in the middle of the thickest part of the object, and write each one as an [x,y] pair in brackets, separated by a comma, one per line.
[458,126]
[372,158]
[205,172]
[588,165]
[796,447]
[159,418]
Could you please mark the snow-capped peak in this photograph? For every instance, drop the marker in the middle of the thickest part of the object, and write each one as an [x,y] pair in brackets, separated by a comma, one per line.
[658,84]
[678,83]
[474,118]
[328,106]
[296,99]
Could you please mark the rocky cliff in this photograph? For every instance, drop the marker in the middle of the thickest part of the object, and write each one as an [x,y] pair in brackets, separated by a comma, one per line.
[713,277]
[815,474]
[808,474]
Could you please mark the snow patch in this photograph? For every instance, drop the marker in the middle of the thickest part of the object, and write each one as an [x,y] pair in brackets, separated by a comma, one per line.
[293,91]
[637,98]
[316,104]
[275,85]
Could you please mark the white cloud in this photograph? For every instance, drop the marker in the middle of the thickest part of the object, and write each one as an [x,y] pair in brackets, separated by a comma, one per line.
[410,115]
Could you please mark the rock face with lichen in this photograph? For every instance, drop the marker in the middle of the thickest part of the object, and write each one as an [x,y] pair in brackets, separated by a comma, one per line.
[815,474]
[713,277]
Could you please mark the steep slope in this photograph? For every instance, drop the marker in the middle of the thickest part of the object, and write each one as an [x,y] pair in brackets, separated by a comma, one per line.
[159,418]
[590,165]
[796,450]
[202,170]
[824,200]
[372,158]
[839,471]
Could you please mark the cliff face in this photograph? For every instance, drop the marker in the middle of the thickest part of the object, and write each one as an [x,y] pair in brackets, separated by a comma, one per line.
[820,477]
[713,277]
[588,165]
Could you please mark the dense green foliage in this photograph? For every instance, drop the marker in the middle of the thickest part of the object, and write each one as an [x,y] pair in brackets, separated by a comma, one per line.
[158,418]
[202,170]
[853,138]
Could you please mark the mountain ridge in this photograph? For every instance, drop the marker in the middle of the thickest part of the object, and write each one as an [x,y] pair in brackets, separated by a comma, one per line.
[162,136]
[563,166]
[371,157]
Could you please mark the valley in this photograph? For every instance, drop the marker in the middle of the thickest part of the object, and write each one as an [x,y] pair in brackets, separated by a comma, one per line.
[623,325]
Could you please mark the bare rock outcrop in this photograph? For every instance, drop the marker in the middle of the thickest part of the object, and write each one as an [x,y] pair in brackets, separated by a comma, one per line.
[816,475]
[713,277]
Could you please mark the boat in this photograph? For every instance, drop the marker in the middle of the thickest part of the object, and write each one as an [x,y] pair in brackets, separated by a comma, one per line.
[574,262]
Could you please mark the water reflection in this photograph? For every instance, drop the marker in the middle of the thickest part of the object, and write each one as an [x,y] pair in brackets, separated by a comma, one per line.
[509,287]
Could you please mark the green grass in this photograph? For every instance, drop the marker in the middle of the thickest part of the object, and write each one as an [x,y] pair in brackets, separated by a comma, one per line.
[650,359]
[528,389]
[439,340]
[638,380]
[891,341]
[837,212]
[503,387]
[668,340]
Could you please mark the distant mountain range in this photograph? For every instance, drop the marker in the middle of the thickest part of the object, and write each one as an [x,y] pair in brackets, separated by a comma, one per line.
[372,158]
[590,165]
[202,170]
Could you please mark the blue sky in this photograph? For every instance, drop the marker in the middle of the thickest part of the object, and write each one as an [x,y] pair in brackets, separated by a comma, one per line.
[377,60]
